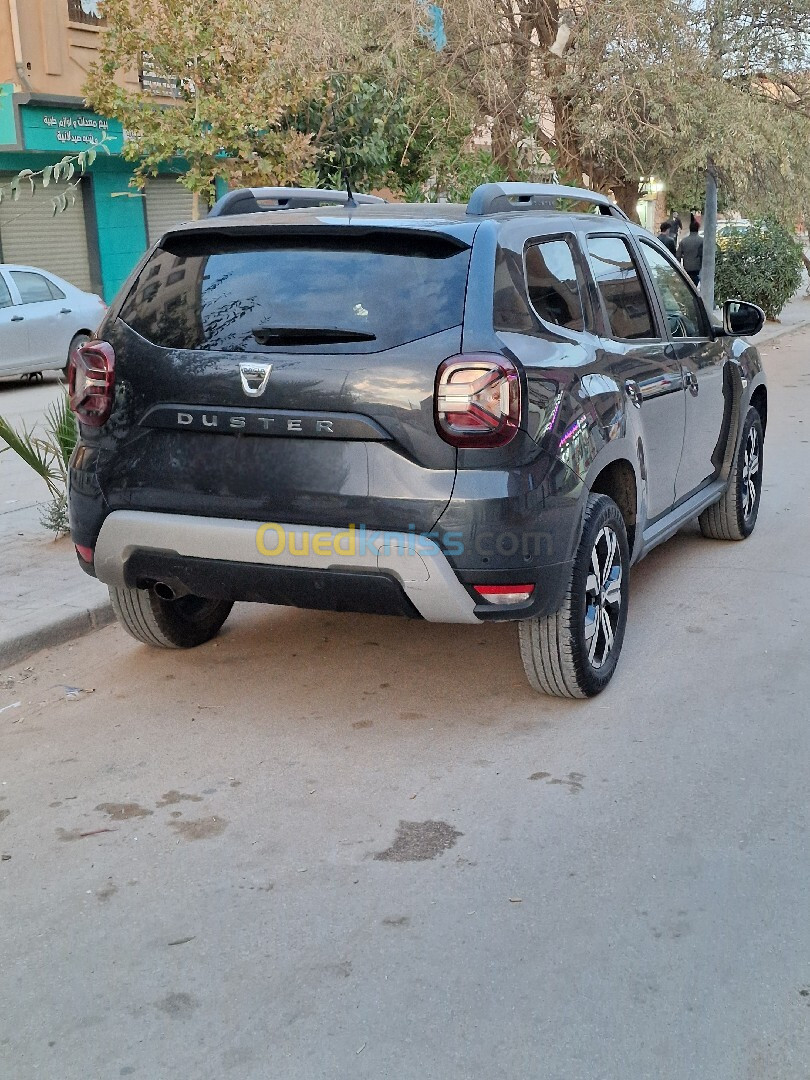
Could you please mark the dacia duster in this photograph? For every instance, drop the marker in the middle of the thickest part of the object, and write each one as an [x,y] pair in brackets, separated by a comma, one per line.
[458,413]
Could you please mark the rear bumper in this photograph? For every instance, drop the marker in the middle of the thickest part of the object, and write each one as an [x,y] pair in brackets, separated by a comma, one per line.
[342,569]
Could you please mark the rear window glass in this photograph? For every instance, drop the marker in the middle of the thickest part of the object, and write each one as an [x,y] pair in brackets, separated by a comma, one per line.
[342,293]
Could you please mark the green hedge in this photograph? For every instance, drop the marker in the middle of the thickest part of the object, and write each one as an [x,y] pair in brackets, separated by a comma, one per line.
[762,265]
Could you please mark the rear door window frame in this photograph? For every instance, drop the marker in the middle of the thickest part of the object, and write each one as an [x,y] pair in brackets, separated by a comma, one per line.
[662,335]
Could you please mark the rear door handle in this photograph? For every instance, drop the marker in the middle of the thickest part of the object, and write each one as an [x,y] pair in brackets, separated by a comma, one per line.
[17,318]
[65,311]
[633,391]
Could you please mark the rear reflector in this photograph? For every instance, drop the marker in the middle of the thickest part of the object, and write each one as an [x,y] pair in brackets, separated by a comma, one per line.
[85,553]
[477,400]
[91,382]
[505,594]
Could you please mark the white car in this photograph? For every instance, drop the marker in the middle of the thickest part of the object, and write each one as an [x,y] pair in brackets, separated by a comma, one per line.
[43,320]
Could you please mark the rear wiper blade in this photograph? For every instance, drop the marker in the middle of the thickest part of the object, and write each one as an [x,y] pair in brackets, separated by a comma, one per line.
[308,335]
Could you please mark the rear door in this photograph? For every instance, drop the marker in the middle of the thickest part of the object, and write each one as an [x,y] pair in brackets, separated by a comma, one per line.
[287,374]
[640,361]
[702,358]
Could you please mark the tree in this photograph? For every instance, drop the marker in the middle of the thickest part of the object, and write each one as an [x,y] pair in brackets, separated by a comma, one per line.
[618,89]
[236,70]
[601,84]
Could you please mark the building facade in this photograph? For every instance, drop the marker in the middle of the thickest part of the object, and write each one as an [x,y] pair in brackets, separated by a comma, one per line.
[46,49]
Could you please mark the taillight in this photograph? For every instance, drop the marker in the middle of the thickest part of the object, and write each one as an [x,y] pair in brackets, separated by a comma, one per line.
[477,400]
[91,382]
[505,594]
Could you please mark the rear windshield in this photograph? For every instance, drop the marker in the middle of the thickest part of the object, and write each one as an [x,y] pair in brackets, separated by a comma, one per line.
[365,293]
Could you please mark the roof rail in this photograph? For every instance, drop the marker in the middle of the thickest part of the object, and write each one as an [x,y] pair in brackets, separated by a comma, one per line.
[503,198]
[257,200]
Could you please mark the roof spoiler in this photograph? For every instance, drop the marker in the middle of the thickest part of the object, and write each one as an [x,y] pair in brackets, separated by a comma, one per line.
[504,198]
[258,200]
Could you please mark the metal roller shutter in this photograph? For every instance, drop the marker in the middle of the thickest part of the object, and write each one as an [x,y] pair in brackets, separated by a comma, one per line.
[167,203]
[30,233]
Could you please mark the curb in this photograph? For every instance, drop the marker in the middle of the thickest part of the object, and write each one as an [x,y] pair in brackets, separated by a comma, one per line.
[63,629]
[781,331]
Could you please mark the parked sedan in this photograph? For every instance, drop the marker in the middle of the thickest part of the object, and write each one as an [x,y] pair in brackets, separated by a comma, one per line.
[43,320]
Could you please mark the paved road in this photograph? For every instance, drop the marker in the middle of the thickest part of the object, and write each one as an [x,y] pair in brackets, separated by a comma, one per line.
[345,846]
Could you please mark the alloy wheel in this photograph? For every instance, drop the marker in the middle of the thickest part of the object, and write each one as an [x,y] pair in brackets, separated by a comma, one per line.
[603,597]
[750,472]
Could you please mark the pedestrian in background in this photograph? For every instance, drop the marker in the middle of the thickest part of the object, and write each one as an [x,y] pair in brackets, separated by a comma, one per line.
[677,225]
[696,214]
[690,251]
[665,235]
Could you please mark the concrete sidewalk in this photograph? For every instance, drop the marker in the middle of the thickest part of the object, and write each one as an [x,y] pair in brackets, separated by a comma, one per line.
[45,599]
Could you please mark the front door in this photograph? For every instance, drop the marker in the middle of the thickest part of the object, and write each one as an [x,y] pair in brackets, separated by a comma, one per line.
[640,361]
[13,334]
[46,332]
[702,358]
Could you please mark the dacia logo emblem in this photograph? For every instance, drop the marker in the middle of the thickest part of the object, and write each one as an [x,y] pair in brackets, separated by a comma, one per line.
[254,378]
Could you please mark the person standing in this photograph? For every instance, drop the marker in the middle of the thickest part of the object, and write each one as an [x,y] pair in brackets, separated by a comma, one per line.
[665,235]
[690,252]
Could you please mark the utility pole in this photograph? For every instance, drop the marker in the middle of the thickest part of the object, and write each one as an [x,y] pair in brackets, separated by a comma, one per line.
[709,237]
[715,16]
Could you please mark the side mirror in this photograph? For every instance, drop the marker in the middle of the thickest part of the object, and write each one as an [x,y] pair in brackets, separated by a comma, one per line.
[741,319]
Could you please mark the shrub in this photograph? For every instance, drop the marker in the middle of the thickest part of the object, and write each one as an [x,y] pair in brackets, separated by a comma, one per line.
[762,265]
[48,455]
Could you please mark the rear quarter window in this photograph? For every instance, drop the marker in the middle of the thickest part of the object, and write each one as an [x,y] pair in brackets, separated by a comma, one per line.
[213,292]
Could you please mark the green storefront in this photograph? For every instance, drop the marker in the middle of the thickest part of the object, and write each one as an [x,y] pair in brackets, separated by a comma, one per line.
[97,240]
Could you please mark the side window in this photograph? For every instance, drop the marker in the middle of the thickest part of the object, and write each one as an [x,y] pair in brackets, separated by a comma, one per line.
[551,280]
[626,303]
[55,291]
[510,310]
[33,287]
[685,315]
[5,295]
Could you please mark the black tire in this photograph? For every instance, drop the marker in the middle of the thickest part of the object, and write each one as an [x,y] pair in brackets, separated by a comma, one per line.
[78,339]
[168,624]
[573,653]
[735,515]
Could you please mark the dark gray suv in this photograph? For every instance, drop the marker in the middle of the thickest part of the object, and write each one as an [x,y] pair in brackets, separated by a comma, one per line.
[457,413]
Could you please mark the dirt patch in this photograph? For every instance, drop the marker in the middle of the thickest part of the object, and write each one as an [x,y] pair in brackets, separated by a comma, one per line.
[178,1004]
[123,811]
[171,798]
[4,814]
[359,724]
[396,920]
[573,781]
[417,841]
[201,829]
[107,891]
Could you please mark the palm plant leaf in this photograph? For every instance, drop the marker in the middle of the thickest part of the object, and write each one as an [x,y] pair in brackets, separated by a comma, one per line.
[38,455]
[61,426]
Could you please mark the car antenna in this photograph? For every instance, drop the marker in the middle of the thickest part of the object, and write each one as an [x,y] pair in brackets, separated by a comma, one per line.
[350,203]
